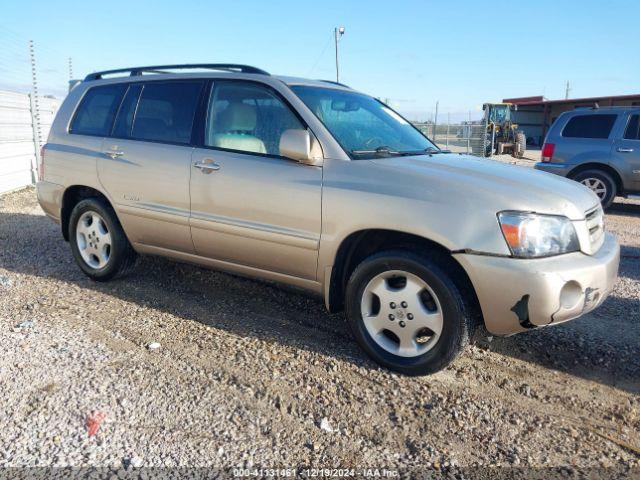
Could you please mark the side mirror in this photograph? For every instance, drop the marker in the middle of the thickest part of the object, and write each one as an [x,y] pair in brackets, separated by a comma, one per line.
[298,144]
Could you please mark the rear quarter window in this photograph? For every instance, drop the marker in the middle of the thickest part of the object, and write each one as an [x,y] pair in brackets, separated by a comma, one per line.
[632,132]
[589,126]
[97,110]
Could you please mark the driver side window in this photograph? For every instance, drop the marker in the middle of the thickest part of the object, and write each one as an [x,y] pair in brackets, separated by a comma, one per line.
[247,117]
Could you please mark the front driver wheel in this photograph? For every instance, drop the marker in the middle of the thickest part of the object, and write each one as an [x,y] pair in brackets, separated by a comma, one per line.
[407,313]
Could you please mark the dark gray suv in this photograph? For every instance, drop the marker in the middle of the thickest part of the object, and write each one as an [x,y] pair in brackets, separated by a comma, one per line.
[598,147]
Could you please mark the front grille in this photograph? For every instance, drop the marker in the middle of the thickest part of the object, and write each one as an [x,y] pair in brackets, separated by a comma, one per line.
[595,224]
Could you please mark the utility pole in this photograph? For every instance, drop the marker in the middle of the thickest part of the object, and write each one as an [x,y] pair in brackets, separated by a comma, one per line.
[469,132]
[567,90]
[435,121]
[338,32]
[70,69]
[448,123]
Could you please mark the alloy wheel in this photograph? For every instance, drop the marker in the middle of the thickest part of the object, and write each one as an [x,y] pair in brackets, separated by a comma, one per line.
[93,240]
[401,313]
[596,185]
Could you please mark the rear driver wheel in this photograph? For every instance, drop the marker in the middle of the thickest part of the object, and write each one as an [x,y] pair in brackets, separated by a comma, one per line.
[600,183]
[98,243]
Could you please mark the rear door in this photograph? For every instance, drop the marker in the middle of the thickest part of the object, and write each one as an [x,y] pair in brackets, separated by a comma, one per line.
[145,165]
[625,153]
[75,154]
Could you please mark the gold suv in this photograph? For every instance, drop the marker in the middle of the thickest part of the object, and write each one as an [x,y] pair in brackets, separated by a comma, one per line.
[313,184]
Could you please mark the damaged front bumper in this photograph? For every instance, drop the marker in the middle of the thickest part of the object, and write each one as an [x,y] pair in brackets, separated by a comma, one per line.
[519,294]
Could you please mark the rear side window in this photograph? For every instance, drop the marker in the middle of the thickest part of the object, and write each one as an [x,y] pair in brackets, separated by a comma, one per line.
[97,110]
[633,128]
[166,111]
[589,126]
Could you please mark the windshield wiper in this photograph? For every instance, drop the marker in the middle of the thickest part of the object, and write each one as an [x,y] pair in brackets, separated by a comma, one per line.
[426,151]
[383,149]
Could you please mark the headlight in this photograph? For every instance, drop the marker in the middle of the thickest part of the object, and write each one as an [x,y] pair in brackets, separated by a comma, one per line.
[531,235]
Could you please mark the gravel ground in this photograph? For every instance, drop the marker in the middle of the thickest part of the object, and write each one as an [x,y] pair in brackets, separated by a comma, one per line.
[250,375]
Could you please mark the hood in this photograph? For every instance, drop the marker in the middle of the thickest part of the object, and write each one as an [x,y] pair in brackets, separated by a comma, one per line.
[505,187]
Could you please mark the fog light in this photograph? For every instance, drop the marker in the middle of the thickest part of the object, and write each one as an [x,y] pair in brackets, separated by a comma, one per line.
[570,295]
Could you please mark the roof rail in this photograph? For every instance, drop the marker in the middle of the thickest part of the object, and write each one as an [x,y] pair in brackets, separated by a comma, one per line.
[136,71]
[335,83]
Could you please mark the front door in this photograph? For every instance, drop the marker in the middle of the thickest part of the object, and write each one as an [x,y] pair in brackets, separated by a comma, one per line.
[146,162]
[249,205]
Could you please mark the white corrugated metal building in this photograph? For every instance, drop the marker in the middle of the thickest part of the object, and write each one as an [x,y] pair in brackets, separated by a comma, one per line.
[17,144]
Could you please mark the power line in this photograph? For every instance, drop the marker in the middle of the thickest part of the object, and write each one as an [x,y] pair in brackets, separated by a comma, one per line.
[15,60]
[321,55]
[20,40]
[9,42]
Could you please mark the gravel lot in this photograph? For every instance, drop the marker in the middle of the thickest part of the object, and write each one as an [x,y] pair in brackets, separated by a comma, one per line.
[250,375]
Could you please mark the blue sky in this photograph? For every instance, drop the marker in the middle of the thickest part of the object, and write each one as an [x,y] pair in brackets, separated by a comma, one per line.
[413,53]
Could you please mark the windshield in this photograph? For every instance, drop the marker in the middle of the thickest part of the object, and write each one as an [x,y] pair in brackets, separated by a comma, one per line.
[363,126]
[499,113]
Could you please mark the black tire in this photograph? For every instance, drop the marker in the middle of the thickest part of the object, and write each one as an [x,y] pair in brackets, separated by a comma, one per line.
[488,152]
[521,145]
[122,257]
[609,183]
[486,147]
[459,319]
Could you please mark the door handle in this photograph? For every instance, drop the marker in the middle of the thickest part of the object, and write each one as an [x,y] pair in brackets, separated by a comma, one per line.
[625,150]
[207,166]
[114,154]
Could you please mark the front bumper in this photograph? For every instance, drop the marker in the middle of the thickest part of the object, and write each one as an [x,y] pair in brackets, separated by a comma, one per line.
[561,169]
[520,294]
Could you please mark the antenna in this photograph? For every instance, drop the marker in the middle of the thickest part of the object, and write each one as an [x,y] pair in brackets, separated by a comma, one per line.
[567,90]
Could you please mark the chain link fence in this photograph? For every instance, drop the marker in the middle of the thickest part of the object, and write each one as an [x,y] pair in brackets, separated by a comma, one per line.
[458,137]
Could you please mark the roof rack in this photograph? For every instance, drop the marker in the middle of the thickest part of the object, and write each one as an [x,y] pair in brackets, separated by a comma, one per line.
[335,83]
[136,71]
